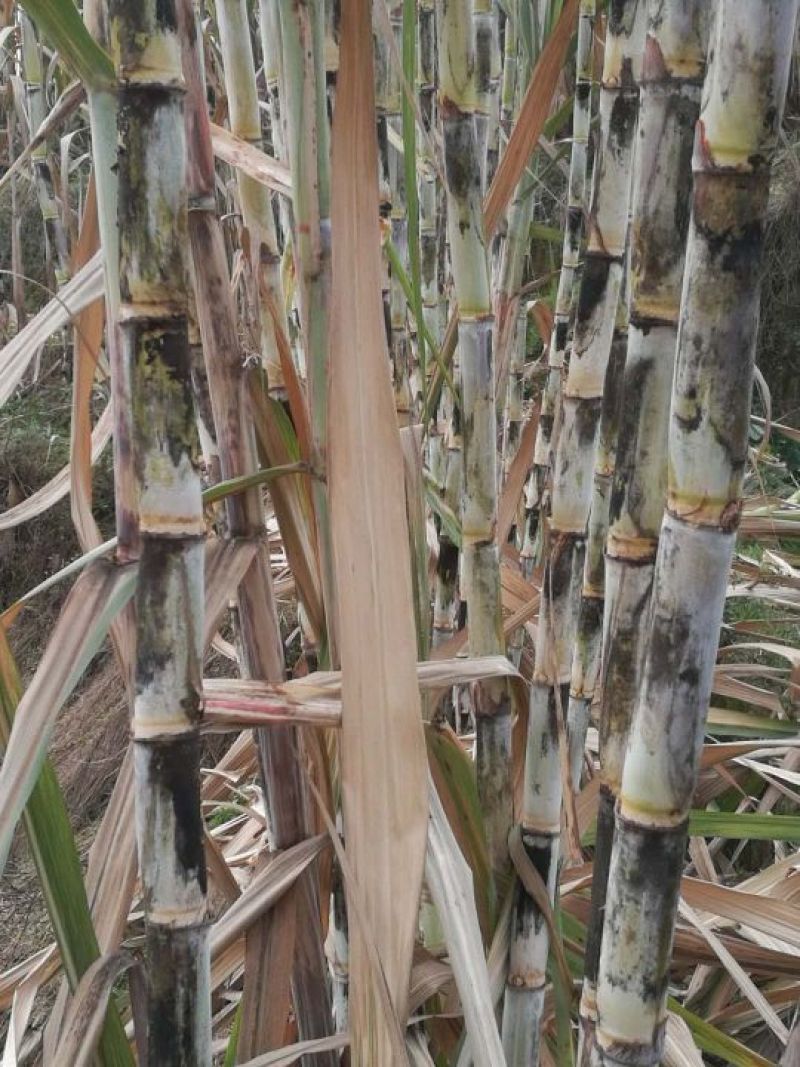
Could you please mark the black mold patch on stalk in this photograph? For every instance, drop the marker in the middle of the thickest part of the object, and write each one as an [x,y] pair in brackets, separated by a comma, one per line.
[587,419]
[593,285]
[461,171]
[647,863]
[583,90]
[591,618]
[162,560]
[561,336]
[560,570]
[676,666]
[174,961]
[621,676]
[163,401]
[728,214]
[602,861]
[623,120]
[539,851]
[574,227]
[447,564]
[624,485]
[174,767]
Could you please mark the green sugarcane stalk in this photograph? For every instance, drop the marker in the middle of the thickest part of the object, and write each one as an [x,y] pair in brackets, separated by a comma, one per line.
[245,121]
[304,109]
[389,103]
[672,77]
[269,24]
[444,436]
[748,71]
[563,571]
[480,558]
[33,74]
[488,73]
[169,600]
[515,244]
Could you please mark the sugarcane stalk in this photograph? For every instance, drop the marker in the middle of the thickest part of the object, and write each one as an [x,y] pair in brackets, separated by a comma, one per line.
[33,73]
[740,118]
[480,558]
[444,435]
[269,24]
[389,105]
[586,653]
[672,77]
[169,600]
[280,748]
[570,261]
[245,121]
[513,419]
[516,240]
[563,570]
[304,109]
[488,72]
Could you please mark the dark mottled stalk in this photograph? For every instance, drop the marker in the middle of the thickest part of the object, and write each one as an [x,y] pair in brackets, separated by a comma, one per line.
[749,62]
[586,653]
[152,218]
[573,464]
[672,75]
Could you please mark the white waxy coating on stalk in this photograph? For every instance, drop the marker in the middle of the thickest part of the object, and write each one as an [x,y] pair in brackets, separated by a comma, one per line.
[688,596]
[160,701]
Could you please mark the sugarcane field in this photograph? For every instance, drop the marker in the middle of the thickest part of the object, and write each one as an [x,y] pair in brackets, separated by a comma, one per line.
[399,533]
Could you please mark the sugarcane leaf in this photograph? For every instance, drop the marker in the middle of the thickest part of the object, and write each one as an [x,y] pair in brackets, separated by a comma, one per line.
[285,1057]
[84,1018]
[532,116]
[453,775]
[59,485]
[264,890]
[97,596]
[291,498]
[448,518]
[11,612]
[55,854]
[744,826]
[61,23]
[87,342]
[449,880]
[251,160]
[231,486]
[776,918]
[66,104]
[679,1047]
[730,722]
[80,291]
[736,972]
[411,442]
[383,766]
[515,481]
[713,1041]
[409,119]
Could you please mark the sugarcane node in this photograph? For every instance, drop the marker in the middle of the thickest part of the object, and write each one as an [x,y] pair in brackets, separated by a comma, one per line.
[632,1053]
